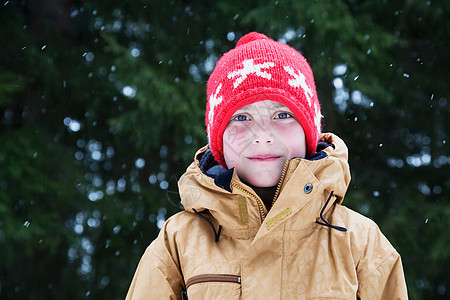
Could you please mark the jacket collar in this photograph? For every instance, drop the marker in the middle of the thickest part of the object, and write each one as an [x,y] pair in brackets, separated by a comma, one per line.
[207,186]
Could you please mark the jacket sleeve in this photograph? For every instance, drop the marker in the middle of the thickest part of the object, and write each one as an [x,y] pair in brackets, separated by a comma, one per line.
[380,271]
[158,274]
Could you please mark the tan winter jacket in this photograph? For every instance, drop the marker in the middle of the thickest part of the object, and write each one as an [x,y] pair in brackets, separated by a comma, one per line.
[232,248]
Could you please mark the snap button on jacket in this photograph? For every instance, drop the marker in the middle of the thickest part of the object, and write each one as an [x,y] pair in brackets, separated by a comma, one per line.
[222,246]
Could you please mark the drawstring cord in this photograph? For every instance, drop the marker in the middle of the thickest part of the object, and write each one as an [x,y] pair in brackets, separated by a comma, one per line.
[216,233]
[325,222]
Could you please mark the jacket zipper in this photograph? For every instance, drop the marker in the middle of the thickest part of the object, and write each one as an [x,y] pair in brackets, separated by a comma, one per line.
[262,214]
[213,278]
[280,183]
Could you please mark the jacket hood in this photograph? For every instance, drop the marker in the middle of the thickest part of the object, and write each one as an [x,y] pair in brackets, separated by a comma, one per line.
[207,186]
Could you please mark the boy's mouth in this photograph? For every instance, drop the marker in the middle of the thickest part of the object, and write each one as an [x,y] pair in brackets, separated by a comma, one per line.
[264,157]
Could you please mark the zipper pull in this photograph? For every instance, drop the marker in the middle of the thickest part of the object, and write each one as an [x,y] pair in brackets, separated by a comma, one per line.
[184,295]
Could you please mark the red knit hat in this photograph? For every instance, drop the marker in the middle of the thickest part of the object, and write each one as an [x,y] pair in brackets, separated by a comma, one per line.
[259,69]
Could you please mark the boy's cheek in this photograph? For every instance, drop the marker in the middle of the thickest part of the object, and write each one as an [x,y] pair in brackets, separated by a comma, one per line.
[231,134]
[231,153]
[236,143]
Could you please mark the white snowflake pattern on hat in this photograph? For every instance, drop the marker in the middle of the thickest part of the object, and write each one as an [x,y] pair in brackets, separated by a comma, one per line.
[299,80]
[250,68]
[214,100]
[317,116]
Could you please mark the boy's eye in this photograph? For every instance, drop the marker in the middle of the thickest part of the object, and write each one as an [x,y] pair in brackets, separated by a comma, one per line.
[283,116]
[240,118]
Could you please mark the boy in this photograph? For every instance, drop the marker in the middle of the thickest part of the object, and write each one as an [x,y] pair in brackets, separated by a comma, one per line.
[263,217]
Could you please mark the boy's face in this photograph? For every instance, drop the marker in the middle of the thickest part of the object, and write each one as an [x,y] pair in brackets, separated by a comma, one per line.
[259,139]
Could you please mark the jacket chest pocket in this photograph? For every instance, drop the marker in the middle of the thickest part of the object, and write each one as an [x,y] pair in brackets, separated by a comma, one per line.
[213,286]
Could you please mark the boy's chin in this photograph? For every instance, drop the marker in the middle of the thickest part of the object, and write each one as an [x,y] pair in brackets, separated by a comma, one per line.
[263,180]
[261,174]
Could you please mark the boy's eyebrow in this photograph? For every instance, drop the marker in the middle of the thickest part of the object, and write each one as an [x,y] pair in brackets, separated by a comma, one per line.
[275,105]
[278,105]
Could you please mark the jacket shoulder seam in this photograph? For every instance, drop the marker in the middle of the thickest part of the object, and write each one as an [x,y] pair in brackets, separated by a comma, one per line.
[385,258]
[171,269]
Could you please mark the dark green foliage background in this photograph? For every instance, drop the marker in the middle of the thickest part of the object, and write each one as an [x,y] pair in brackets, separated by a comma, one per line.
[77,210]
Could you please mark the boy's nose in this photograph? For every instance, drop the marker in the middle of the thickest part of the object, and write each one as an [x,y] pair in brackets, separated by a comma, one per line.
[263,137]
